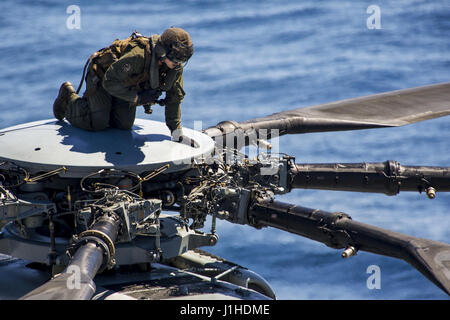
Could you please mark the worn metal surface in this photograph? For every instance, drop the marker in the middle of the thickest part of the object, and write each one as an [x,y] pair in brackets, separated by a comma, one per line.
[50,144]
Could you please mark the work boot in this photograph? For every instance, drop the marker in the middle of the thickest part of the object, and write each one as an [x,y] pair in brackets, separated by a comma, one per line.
[62,100]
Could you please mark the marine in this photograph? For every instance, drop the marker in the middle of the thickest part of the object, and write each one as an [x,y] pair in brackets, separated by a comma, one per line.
[127,74]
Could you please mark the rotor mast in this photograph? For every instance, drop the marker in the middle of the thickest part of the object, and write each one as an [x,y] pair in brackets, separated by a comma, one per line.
[93,252]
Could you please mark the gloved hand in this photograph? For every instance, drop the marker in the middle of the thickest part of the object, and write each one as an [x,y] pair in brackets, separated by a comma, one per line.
[148,96]
[178,136]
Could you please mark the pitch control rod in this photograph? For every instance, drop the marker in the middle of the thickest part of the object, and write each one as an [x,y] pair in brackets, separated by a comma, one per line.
[387,177]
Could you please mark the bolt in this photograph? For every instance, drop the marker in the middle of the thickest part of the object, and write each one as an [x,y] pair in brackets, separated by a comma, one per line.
[350,251]
[431,192]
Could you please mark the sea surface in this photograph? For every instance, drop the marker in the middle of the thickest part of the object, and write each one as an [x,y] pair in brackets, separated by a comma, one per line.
[254,58]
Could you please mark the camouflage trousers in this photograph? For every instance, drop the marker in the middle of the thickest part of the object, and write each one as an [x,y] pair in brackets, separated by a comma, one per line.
[99,110]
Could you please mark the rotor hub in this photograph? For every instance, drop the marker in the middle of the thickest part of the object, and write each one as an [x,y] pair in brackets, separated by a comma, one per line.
[50,145]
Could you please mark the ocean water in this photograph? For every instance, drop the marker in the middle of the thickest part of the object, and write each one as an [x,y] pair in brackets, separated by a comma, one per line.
[253,58]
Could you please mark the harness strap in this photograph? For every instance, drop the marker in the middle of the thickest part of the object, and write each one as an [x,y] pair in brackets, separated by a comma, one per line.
[153,72]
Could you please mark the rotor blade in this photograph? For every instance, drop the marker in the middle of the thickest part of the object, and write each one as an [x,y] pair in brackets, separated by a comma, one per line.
[390,109]
[338,230]
[383,177]
[93,252]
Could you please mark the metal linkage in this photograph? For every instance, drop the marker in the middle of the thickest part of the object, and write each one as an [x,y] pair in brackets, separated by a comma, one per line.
[12,208]
[387,177]
[225,190]
[46,175]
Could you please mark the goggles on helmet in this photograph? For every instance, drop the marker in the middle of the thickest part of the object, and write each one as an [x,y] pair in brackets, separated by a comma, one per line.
[179,53]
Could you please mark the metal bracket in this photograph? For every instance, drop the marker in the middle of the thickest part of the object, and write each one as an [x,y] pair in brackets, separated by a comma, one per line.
[214,279]
[17,209]
[242,210]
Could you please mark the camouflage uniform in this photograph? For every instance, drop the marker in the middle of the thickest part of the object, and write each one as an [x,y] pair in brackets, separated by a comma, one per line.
[111,102]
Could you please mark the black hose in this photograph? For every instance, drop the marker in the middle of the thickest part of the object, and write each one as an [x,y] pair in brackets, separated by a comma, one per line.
[84,72]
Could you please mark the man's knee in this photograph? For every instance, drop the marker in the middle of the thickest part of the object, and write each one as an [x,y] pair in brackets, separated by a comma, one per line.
[122,125]
[99,121]
[122,116]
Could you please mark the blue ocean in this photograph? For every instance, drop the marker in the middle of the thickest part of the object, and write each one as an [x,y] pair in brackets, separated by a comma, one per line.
[254,58]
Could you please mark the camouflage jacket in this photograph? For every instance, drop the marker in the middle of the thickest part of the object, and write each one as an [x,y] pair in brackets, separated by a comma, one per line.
[131,65]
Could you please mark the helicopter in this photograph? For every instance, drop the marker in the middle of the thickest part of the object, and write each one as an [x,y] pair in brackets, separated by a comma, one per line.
[88,211]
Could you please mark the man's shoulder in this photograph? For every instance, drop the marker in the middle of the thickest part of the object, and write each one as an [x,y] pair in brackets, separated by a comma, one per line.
[134,51]
[131,62]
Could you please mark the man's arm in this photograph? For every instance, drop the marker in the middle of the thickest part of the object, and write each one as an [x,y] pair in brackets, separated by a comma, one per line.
[116,75]
[173,99]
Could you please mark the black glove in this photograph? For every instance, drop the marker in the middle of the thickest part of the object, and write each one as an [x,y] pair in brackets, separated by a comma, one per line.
[148,96]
